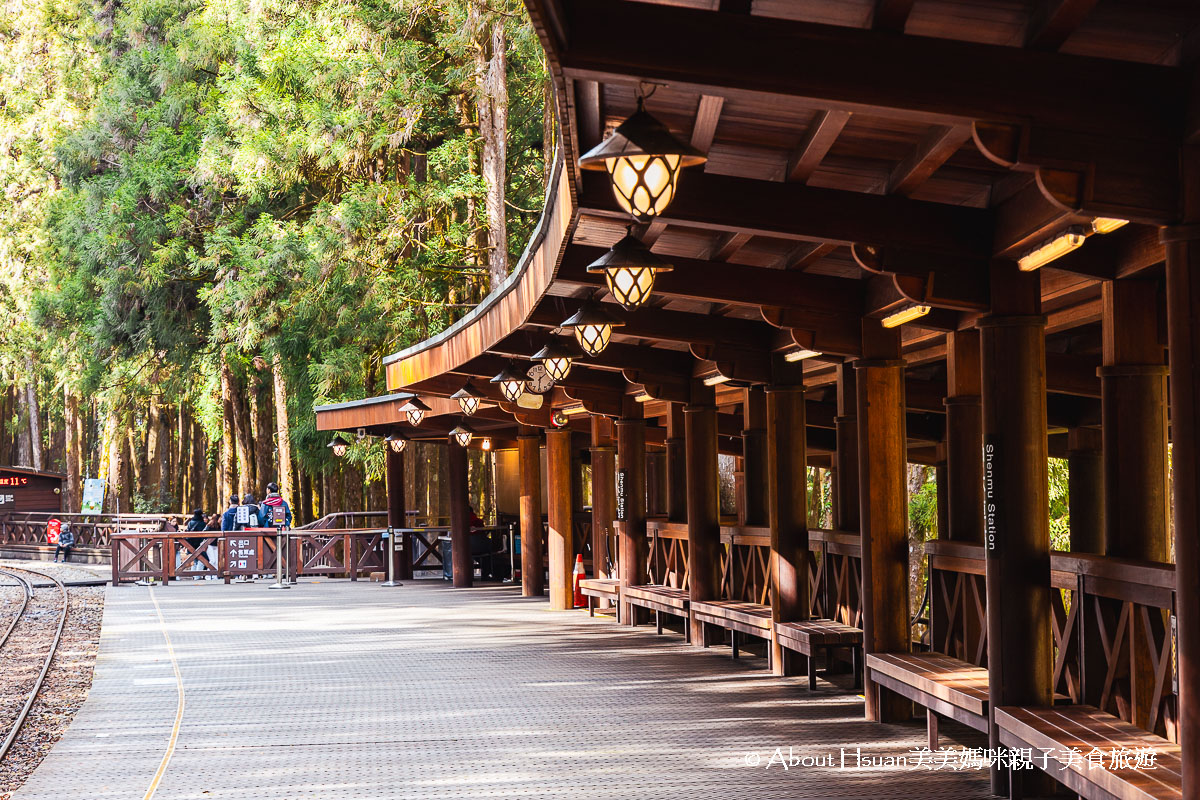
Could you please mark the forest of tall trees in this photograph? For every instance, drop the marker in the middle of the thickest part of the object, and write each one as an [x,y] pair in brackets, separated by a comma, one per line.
[219,213]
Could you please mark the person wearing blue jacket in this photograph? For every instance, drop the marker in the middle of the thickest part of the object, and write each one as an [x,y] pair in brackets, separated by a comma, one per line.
[272,500]
[229,518]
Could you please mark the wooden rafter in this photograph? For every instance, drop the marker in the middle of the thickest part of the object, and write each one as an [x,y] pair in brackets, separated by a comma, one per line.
[934,150]
[1053,21]
[817,141]
[708,114]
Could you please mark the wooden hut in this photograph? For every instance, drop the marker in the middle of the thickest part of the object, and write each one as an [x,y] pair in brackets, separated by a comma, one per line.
[24,489]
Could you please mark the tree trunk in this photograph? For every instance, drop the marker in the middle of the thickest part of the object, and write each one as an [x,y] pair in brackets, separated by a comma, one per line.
[241,432]
[73,440]
[262,429]
[305,514]
[226,476]
[156,455]
[35,421]
[491,66]
[198,467]
[283,438]
[133,447]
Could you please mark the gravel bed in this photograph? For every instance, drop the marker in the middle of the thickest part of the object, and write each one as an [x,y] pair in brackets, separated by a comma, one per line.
[70,675]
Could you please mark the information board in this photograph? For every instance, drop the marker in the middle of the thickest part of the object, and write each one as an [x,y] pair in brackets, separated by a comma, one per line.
[93,496]
[243,553]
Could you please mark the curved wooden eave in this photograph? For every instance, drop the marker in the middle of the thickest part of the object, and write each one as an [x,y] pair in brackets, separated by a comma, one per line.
[504,310]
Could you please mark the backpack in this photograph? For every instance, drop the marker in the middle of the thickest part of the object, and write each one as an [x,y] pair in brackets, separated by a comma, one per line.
[195,525]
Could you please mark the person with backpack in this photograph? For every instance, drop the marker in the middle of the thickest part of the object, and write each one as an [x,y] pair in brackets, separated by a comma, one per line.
[273,500]
[252,508]
[66,541]
[229,518]
[197,523]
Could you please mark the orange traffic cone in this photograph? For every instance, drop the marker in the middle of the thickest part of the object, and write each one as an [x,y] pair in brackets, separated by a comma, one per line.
[577,576]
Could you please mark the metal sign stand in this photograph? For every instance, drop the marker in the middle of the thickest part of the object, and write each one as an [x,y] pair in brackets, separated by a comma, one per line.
[281,581]
[391,558]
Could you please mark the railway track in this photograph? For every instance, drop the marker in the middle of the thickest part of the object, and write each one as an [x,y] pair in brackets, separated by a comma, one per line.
[27,614]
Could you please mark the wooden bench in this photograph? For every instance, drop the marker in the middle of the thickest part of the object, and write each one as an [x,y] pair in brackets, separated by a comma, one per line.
[809,636]
[945,686]
[601,589]
[752,619]
[661,600]
[1061,728]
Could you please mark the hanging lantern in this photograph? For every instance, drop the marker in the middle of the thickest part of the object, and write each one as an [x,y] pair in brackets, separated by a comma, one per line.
[468,398]
[339,446]
[593,327]
[415,410]
[556,357]
[462,434]
[643,160]
[629,269]
[512,383]
[397,442]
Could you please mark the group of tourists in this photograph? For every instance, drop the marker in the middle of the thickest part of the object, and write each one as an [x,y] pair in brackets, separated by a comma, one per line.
[256,515]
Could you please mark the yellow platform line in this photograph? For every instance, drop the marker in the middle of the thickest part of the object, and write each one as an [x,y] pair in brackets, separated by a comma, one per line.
[166,759]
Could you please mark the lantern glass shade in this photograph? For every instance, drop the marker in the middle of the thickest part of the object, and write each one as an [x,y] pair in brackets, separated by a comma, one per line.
[396,442]
[339,446]
[631,286]
[468,398]
[557,358]
[643,160]
[462,434]
[629,269]
[593,327]
[414,410]
[512,383]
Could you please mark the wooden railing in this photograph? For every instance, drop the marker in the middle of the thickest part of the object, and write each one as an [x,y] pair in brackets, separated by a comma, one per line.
[1110,622]
[91,530]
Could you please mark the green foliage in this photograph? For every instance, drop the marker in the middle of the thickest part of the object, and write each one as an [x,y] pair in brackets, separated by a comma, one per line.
[198,182]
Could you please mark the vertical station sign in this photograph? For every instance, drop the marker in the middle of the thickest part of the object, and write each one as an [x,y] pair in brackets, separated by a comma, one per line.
[621,493]
[990,499]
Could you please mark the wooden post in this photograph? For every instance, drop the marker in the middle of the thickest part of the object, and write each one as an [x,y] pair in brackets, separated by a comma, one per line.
[1085,490]
[631,463]
[1133,391]
[753,510]
[883,508]
[964,439]
[529,461]
[1016,519]
[1183,338]
[463,568]
[845,476]
[604,495]
[787,511]
[558,498]
[703,510]
[676,465]
[394,480]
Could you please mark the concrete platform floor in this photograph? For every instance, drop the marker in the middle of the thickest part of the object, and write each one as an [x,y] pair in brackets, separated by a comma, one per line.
[351,690]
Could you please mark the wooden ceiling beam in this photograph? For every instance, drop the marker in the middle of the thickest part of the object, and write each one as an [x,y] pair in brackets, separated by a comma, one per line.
[934,150]
[940,81]
[805,254]
[615,358]
[811,151]
[1053,21]
[795,211]
[707,281]
[667,326]
[727,245]
[891,15]
[708,114]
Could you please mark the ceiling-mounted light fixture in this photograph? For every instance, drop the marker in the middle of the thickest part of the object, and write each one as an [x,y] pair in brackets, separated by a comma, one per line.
[907,314]
[462,434]
[415,410]
[339,445]
[556,357]
[485,443]
[397,442]
[629,269]
[593,327]
[642,397]
[716,379]
[1070,239]
[572,411]
[643,160]
[800,355]
[468,398]
[512,383]
[1108,224]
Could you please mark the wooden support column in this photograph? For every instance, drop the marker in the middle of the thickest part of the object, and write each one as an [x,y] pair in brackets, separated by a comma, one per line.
[631,464]
[845,474]
[883,508]
[529,461]
[1183,339]
[703,509]
[604,496]
[1133,392]
[462,568]
[1085,490]
[676,465]
[754,457]
[394,481]
[964,439]
[787,511]
[559,547]
[1016,519]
